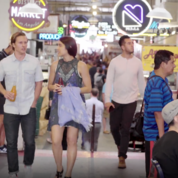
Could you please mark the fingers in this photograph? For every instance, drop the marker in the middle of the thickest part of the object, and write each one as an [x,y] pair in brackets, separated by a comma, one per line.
[9,96]
[112,105]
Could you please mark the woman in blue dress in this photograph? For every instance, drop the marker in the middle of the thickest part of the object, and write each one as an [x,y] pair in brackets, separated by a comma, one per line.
[67,71]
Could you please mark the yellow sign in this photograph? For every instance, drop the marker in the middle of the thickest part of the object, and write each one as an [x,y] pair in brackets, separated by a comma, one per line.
[148,55]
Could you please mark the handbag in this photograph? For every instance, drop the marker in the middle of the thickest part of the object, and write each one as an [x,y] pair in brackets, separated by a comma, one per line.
[47,114]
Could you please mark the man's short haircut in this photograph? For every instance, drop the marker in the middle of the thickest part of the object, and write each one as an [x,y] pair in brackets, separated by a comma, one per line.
[122,40]
[94,91]
[162,56]
[171,123]
[14,37]
[100,70]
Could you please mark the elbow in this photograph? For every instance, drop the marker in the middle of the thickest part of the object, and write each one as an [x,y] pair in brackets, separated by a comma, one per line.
[89,89]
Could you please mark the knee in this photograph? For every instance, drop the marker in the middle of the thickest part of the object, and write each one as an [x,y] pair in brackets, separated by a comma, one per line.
[30,143]
[71,141]
[56,143]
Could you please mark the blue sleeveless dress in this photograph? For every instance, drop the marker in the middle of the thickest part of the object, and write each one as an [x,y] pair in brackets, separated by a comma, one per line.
[68,71]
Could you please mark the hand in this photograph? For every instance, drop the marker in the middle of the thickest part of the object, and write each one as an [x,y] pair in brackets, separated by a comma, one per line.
[8,95]
[57,88]
[34,104]
[108,105]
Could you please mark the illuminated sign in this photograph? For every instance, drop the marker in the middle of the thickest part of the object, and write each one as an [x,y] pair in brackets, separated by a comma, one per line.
[49,36]
[156,22]
[148,55]
[60,30]
[129,17]
[27,21]
[80,25]
[106,29]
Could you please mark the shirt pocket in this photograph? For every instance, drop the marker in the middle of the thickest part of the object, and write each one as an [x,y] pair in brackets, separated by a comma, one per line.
[29,76]
[11,77]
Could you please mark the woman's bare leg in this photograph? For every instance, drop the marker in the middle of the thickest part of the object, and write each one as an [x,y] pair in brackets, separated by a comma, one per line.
[57,136]
[72,135]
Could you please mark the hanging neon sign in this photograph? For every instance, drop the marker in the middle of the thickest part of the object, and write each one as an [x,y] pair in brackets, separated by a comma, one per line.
[27,21]
[49,36]
[129,17]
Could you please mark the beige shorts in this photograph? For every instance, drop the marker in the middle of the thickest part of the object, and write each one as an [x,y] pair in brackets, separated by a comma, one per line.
[106,114]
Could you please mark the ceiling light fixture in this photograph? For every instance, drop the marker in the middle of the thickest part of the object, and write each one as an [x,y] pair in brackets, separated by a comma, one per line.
[159,12]
[94,6]
[93,20]
[94,13]
[31,8]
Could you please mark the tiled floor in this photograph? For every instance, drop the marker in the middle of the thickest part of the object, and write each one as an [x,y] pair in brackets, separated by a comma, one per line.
[103,165]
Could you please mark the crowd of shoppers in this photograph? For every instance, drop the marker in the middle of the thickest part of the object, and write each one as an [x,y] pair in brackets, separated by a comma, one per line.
[114,91]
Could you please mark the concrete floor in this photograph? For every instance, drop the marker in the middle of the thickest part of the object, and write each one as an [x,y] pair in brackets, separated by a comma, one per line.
[103,165]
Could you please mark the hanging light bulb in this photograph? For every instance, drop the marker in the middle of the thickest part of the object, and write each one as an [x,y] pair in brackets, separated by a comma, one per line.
[94,13]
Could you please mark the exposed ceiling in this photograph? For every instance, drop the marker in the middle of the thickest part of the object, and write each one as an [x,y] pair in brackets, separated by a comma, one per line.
[105,7]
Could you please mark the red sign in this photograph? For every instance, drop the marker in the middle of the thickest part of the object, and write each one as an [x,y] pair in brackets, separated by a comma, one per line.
[27,21]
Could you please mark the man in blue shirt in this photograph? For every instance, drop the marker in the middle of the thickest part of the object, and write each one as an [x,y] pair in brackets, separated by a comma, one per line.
[157,95]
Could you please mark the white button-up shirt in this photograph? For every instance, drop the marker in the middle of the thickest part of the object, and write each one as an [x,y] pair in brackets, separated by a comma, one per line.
[99,108]
[23,74]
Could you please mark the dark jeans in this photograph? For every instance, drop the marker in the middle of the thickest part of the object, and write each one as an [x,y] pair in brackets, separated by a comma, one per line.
[28,124]
[120,123]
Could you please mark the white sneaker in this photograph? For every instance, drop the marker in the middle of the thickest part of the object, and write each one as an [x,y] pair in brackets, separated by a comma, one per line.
[3,150]
[28,172]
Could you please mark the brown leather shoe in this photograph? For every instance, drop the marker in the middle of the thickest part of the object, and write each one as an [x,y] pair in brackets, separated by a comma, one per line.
[122,164]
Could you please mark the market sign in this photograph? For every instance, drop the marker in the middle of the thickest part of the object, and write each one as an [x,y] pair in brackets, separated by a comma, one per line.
[27,21]
[80,25]
[129,17]
[148,55]
[49,36]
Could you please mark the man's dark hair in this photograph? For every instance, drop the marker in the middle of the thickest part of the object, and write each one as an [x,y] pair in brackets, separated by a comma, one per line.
[122,40]
[100,71]
[162,56]
[94,91]
[70,45]
[171,123]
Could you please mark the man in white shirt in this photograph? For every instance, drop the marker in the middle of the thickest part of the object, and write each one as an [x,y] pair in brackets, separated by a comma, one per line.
[99,108]
[24,72]
[125,74]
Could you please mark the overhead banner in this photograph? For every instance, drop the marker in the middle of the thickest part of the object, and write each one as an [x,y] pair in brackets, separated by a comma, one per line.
[28,21]
[129,17]
[148,55]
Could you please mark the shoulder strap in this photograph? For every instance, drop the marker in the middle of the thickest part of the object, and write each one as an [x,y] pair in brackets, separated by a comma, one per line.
[143,97]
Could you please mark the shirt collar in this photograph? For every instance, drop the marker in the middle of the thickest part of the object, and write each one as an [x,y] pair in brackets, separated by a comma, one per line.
[4,53]
[14,58]
[93,97]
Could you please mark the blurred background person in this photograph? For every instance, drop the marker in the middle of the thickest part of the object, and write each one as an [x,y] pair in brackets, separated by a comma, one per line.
[99,108]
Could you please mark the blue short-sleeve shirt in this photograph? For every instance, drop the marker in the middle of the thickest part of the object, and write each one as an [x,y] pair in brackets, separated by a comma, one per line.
[157,95]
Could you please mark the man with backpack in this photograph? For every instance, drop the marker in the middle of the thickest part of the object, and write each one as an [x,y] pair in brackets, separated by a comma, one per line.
[157,95]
